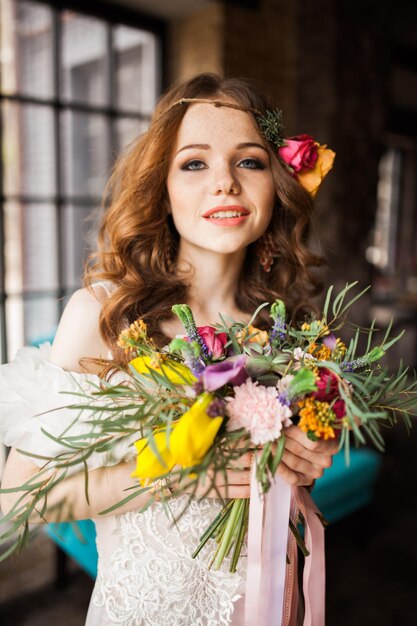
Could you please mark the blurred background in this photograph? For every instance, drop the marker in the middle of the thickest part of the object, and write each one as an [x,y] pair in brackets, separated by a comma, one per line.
[79,81]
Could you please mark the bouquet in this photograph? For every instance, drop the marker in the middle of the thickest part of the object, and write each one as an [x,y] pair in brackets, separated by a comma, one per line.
[190,410]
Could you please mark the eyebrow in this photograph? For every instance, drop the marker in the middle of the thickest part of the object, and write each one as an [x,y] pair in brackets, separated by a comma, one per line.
[240,146]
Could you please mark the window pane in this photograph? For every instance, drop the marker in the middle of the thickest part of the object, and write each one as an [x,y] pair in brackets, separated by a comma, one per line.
[31,247]
[28,149]
[40,319]
[128,129]
[26,48]
[13,247]
[80,239]
[30,321]
[136,69]
[14,325]
[3,355]
[85,158]
[84,59]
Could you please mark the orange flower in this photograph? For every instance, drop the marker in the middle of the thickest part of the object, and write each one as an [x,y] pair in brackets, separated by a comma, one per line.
[259,336]
[317,418]
[311,179]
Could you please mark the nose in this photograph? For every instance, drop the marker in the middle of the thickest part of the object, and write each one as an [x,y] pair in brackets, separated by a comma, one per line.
[224,181]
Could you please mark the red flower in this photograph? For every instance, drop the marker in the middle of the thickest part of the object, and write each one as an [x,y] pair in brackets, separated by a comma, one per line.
[299,152]
[339,409]
[327,386]
[328,391]
[214,342]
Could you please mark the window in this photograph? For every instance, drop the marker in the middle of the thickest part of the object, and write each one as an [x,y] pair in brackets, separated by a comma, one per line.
[75,89]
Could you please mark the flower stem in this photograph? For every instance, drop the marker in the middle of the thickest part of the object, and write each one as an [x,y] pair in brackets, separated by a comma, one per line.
[228,532]
[241,536]
[213,528]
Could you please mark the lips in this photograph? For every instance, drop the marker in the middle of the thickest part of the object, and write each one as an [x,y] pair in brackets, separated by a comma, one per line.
[230,210]
[226,216]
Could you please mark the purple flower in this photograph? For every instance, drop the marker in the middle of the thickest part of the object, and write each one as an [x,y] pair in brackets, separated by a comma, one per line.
[330,341]
[231,371]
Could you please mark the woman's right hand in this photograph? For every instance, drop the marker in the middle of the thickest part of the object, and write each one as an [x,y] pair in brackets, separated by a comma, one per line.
[238,481]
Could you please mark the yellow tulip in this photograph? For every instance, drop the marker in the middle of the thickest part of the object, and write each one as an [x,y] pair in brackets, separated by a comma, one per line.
[177,373]
[190,438]
[148,465]
[194,433]
[311,179]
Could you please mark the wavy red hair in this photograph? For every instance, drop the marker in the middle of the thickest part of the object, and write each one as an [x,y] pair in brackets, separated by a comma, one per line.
[137,243]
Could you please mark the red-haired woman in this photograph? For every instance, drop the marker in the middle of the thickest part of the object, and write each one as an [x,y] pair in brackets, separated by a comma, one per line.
[201,210]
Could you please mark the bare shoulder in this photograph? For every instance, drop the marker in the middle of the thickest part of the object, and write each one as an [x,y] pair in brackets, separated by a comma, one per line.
[78,334]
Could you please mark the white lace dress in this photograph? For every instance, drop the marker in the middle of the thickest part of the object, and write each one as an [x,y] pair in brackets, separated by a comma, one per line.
[146,576]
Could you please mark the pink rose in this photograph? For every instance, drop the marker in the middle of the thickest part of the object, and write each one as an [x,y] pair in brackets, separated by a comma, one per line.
[300,152]
[215,342]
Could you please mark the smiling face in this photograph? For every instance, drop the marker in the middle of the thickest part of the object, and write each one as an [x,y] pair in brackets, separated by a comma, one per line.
[220,183]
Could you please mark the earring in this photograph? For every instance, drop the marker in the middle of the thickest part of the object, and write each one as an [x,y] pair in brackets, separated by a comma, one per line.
[266,250]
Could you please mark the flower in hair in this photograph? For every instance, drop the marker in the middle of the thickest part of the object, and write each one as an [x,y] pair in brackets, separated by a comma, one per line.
[306,160]
[272,127]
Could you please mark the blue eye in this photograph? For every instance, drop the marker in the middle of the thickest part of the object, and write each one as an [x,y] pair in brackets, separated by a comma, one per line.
[188,166]
[254,164]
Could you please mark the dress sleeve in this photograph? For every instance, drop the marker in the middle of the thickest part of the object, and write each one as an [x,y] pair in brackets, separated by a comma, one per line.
[34,399]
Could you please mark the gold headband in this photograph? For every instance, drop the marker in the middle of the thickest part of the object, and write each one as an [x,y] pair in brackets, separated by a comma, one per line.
[217,103]
[270,124]
[318,159]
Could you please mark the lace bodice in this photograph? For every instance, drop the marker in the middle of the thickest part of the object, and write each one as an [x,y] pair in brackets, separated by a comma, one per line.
[146,576]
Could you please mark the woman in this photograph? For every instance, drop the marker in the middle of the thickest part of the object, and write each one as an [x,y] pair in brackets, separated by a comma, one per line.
[201,211]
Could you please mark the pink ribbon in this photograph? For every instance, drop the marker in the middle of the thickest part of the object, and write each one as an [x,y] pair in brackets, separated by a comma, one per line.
[271,587]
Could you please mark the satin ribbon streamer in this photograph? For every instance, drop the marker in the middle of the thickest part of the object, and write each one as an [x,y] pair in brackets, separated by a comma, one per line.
[266,584]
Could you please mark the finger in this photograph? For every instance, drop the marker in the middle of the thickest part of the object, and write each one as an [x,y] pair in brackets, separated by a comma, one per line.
[321,459]
[301,466]
[231,477]
[293,478]
[294,432]
[245,461]
[230,491]
[236,491]
[240,477]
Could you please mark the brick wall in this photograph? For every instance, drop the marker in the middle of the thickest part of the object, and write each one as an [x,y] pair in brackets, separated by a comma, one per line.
[195,43]
[326,63]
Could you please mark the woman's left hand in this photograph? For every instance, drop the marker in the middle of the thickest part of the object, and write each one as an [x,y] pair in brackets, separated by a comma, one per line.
[304,460]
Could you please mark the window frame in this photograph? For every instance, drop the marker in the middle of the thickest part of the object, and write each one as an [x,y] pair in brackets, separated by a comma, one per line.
[113,15]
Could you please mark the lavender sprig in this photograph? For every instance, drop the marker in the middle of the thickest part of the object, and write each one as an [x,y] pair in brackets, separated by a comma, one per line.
[191,354]
[363,361]
[184,313]
[278,331]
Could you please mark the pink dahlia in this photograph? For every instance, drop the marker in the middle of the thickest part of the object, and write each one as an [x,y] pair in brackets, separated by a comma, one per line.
[257,409]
